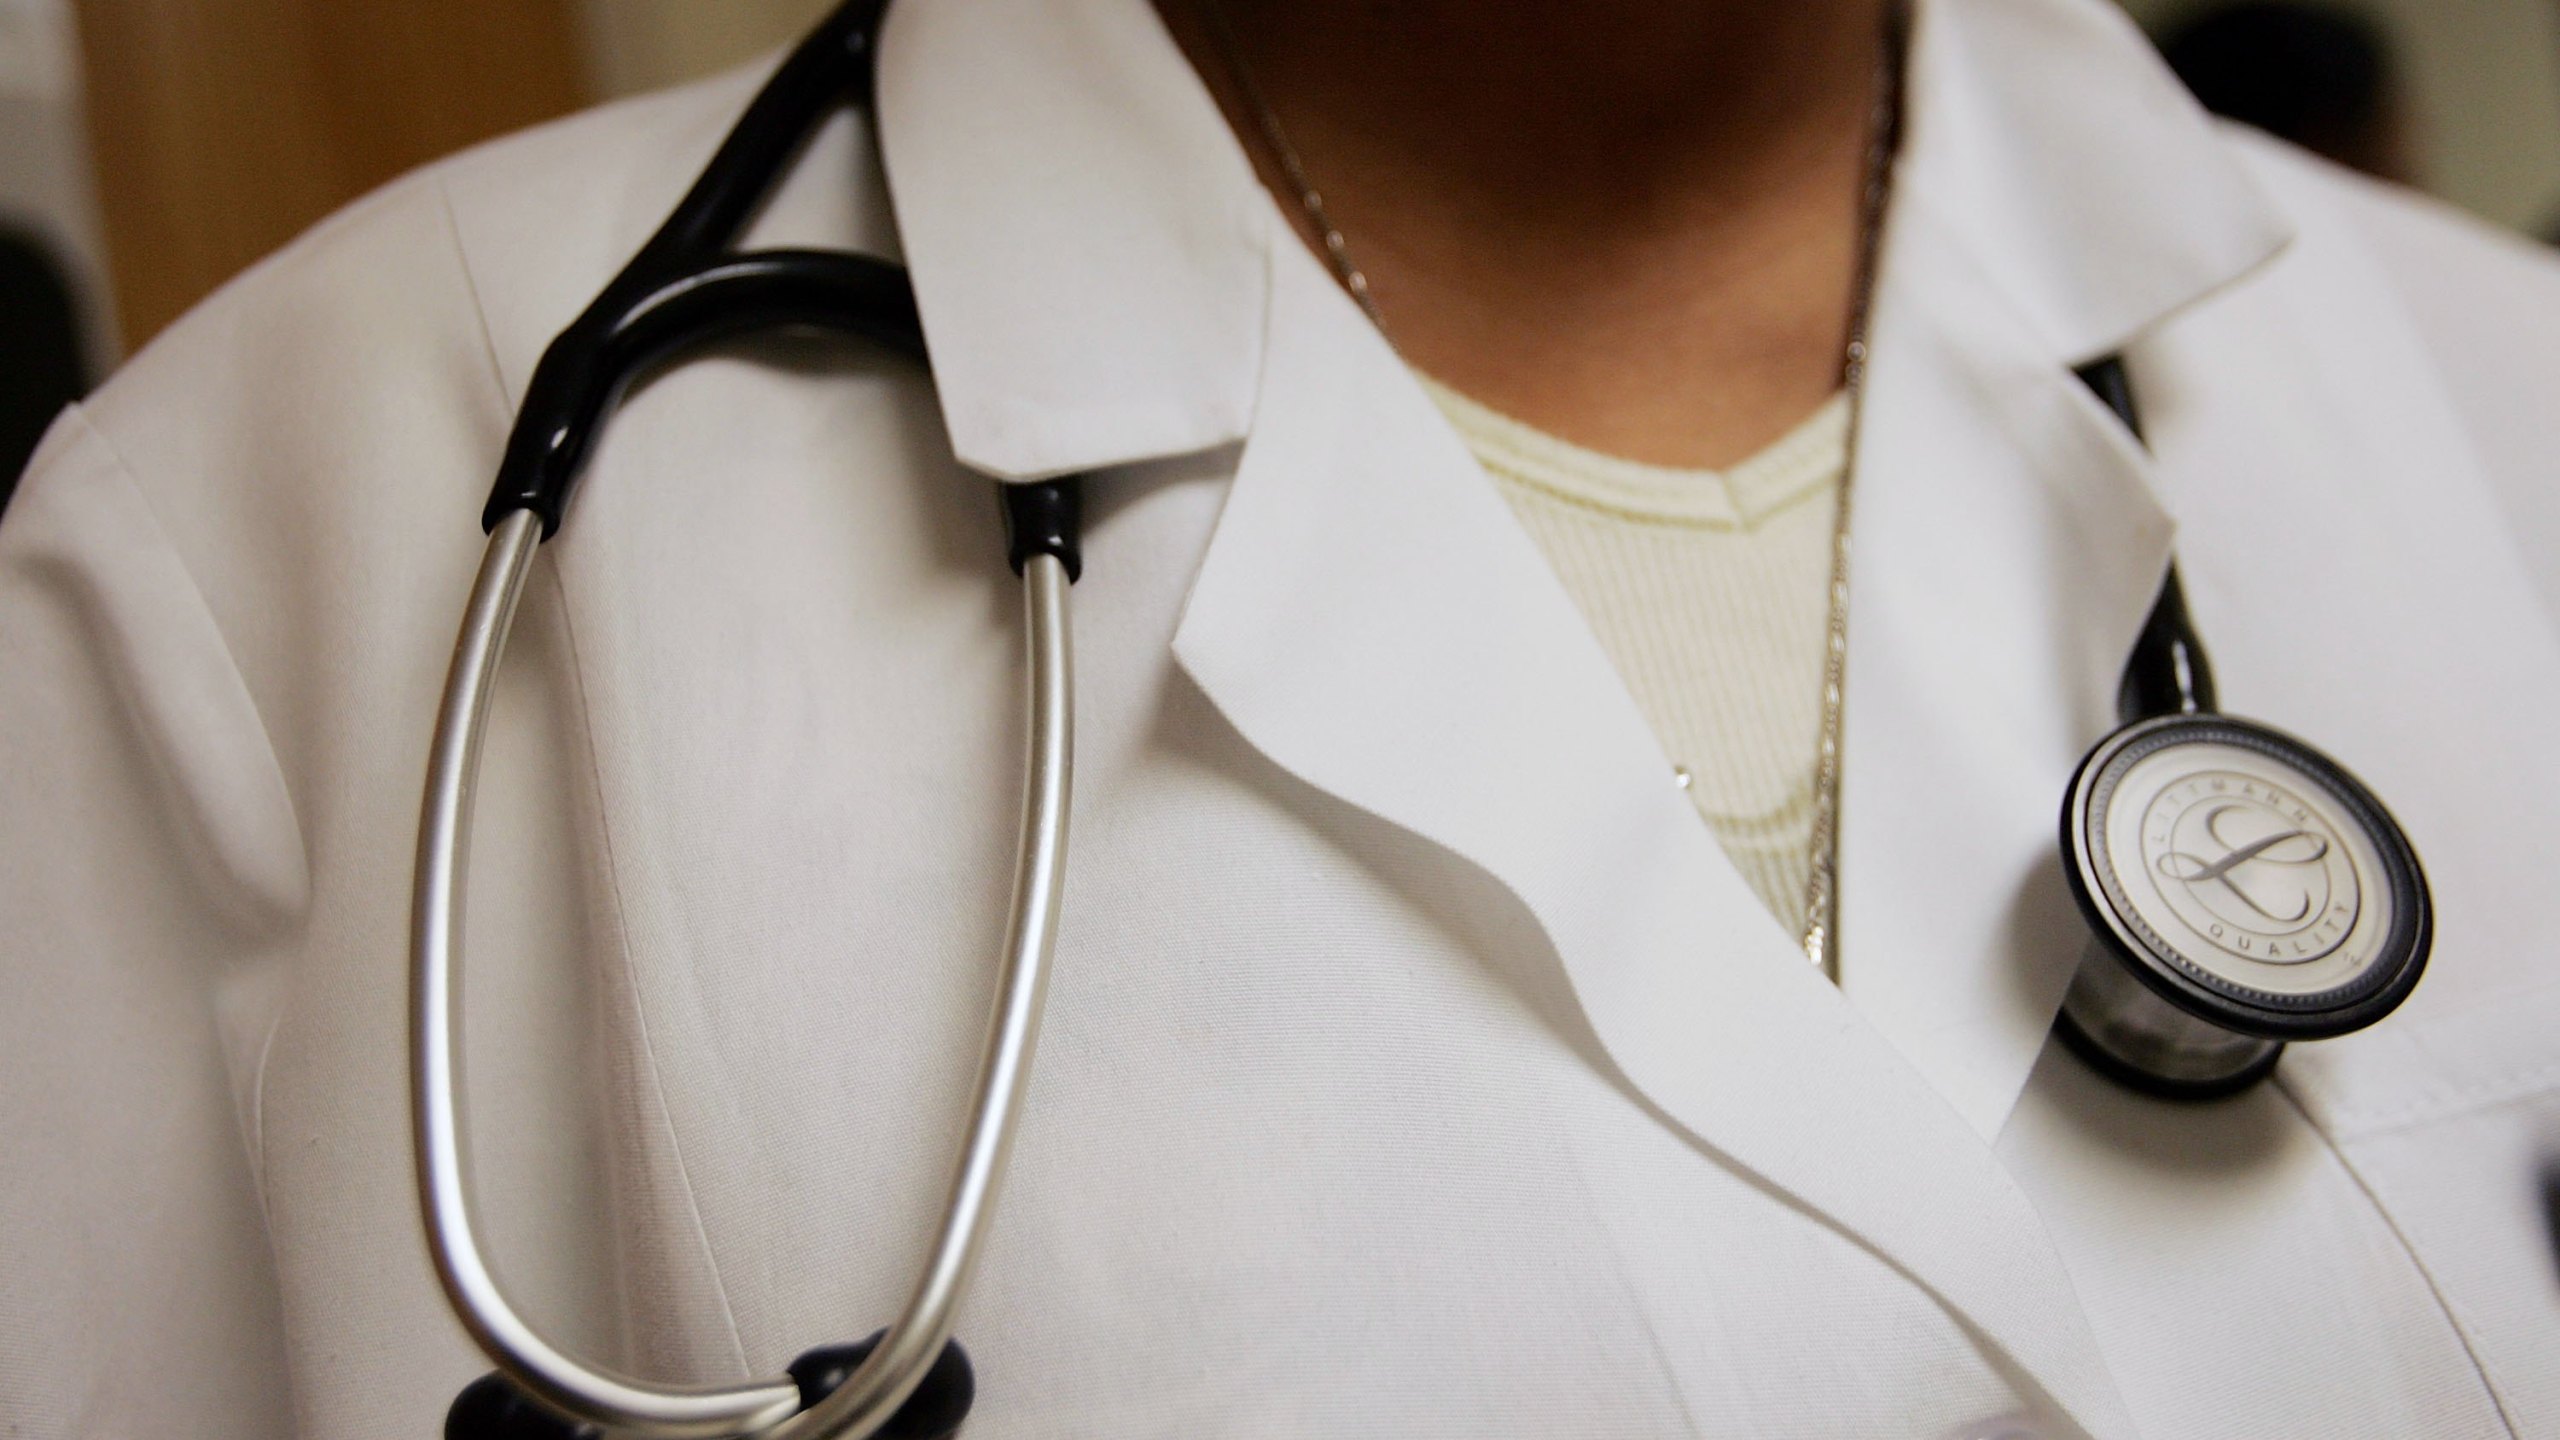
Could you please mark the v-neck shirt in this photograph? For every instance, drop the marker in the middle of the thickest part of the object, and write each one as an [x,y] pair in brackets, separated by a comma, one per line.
[1710,592]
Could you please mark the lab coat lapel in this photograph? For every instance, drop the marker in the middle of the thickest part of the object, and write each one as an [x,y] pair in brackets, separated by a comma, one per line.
[1371,617]
[2057,197]
[2005,549]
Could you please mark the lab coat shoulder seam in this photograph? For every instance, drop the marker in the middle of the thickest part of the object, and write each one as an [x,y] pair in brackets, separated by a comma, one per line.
[471,287]
[259,276]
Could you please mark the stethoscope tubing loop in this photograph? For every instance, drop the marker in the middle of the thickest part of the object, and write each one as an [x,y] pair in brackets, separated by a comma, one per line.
[761,1408]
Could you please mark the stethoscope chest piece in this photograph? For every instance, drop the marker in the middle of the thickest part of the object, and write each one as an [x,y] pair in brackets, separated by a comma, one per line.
[2243,890]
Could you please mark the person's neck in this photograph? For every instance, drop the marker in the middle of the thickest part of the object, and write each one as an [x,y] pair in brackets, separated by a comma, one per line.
[1631,223]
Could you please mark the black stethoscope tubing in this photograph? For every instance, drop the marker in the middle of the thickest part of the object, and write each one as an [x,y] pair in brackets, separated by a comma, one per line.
[684,291]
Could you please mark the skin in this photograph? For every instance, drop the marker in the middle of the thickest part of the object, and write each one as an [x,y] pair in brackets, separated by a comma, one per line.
[1630,223]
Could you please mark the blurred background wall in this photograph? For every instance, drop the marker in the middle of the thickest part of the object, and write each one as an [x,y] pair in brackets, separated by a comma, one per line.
[224,127]
[2481,84]
[635,45]
[217,129]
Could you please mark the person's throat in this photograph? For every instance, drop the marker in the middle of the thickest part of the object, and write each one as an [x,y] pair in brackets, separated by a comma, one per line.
[1632,225]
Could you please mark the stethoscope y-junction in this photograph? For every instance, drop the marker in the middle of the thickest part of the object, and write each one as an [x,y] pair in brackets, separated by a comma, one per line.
[2242,889]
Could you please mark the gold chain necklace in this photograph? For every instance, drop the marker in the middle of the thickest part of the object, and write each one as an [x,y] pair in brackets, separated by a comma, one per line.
[1821,929]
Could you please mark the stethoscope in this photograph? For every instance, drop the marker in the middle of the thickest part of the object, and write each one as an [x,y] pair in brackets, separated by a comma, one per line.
[2242,889]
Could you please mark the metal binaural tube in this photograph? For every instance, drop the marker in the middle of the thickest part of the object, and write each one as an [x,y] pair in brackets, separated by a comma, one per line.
[872,1394]
[661,1412]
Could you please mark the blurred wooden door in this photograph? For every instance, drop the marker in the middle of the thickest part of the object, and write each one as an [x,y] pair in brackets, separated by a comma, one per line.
[222,128]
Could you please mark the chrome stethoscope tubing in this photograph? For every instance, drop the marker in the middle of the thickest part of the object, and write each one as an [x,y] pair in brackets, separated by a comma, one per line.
[898,1363]
[684,290]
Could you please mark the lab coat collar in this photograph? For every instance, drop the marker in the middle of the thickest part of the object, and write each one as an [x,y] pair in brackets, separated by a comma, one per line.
[1087,236]
[2090,188]
[2006,543]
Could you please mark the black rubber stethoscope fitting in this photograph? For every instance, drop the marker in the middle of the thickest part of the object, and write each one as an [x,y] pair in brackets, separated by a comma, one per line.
[492,1408]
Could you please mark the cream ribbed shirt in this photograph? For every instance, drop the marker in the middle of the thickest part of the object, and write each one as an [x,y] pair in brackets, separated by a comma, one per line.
[1710,590]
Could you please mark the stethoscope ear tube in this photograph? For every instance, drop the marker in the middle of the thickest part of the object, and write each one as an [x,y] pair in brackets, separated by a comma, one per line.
[633,329]
[870,1398]
[680,290]
[436,917]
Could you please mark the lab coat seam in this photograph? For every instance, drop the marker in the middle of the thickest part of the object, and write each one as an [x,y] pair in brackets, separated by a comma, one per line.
[639,1006]
[604,823]
[257,1137]
[1579,1170]
[471,288]
[2489,1380]
[2450,1105]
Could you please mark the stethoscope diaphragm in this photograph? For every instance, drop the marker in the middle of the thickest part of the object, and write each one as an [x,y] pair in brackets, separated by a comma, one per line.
[2242,890]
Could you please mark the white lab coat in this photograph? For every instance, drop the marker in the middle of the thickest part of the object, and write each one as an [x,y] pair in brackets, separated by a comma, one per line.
[1415,1063]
